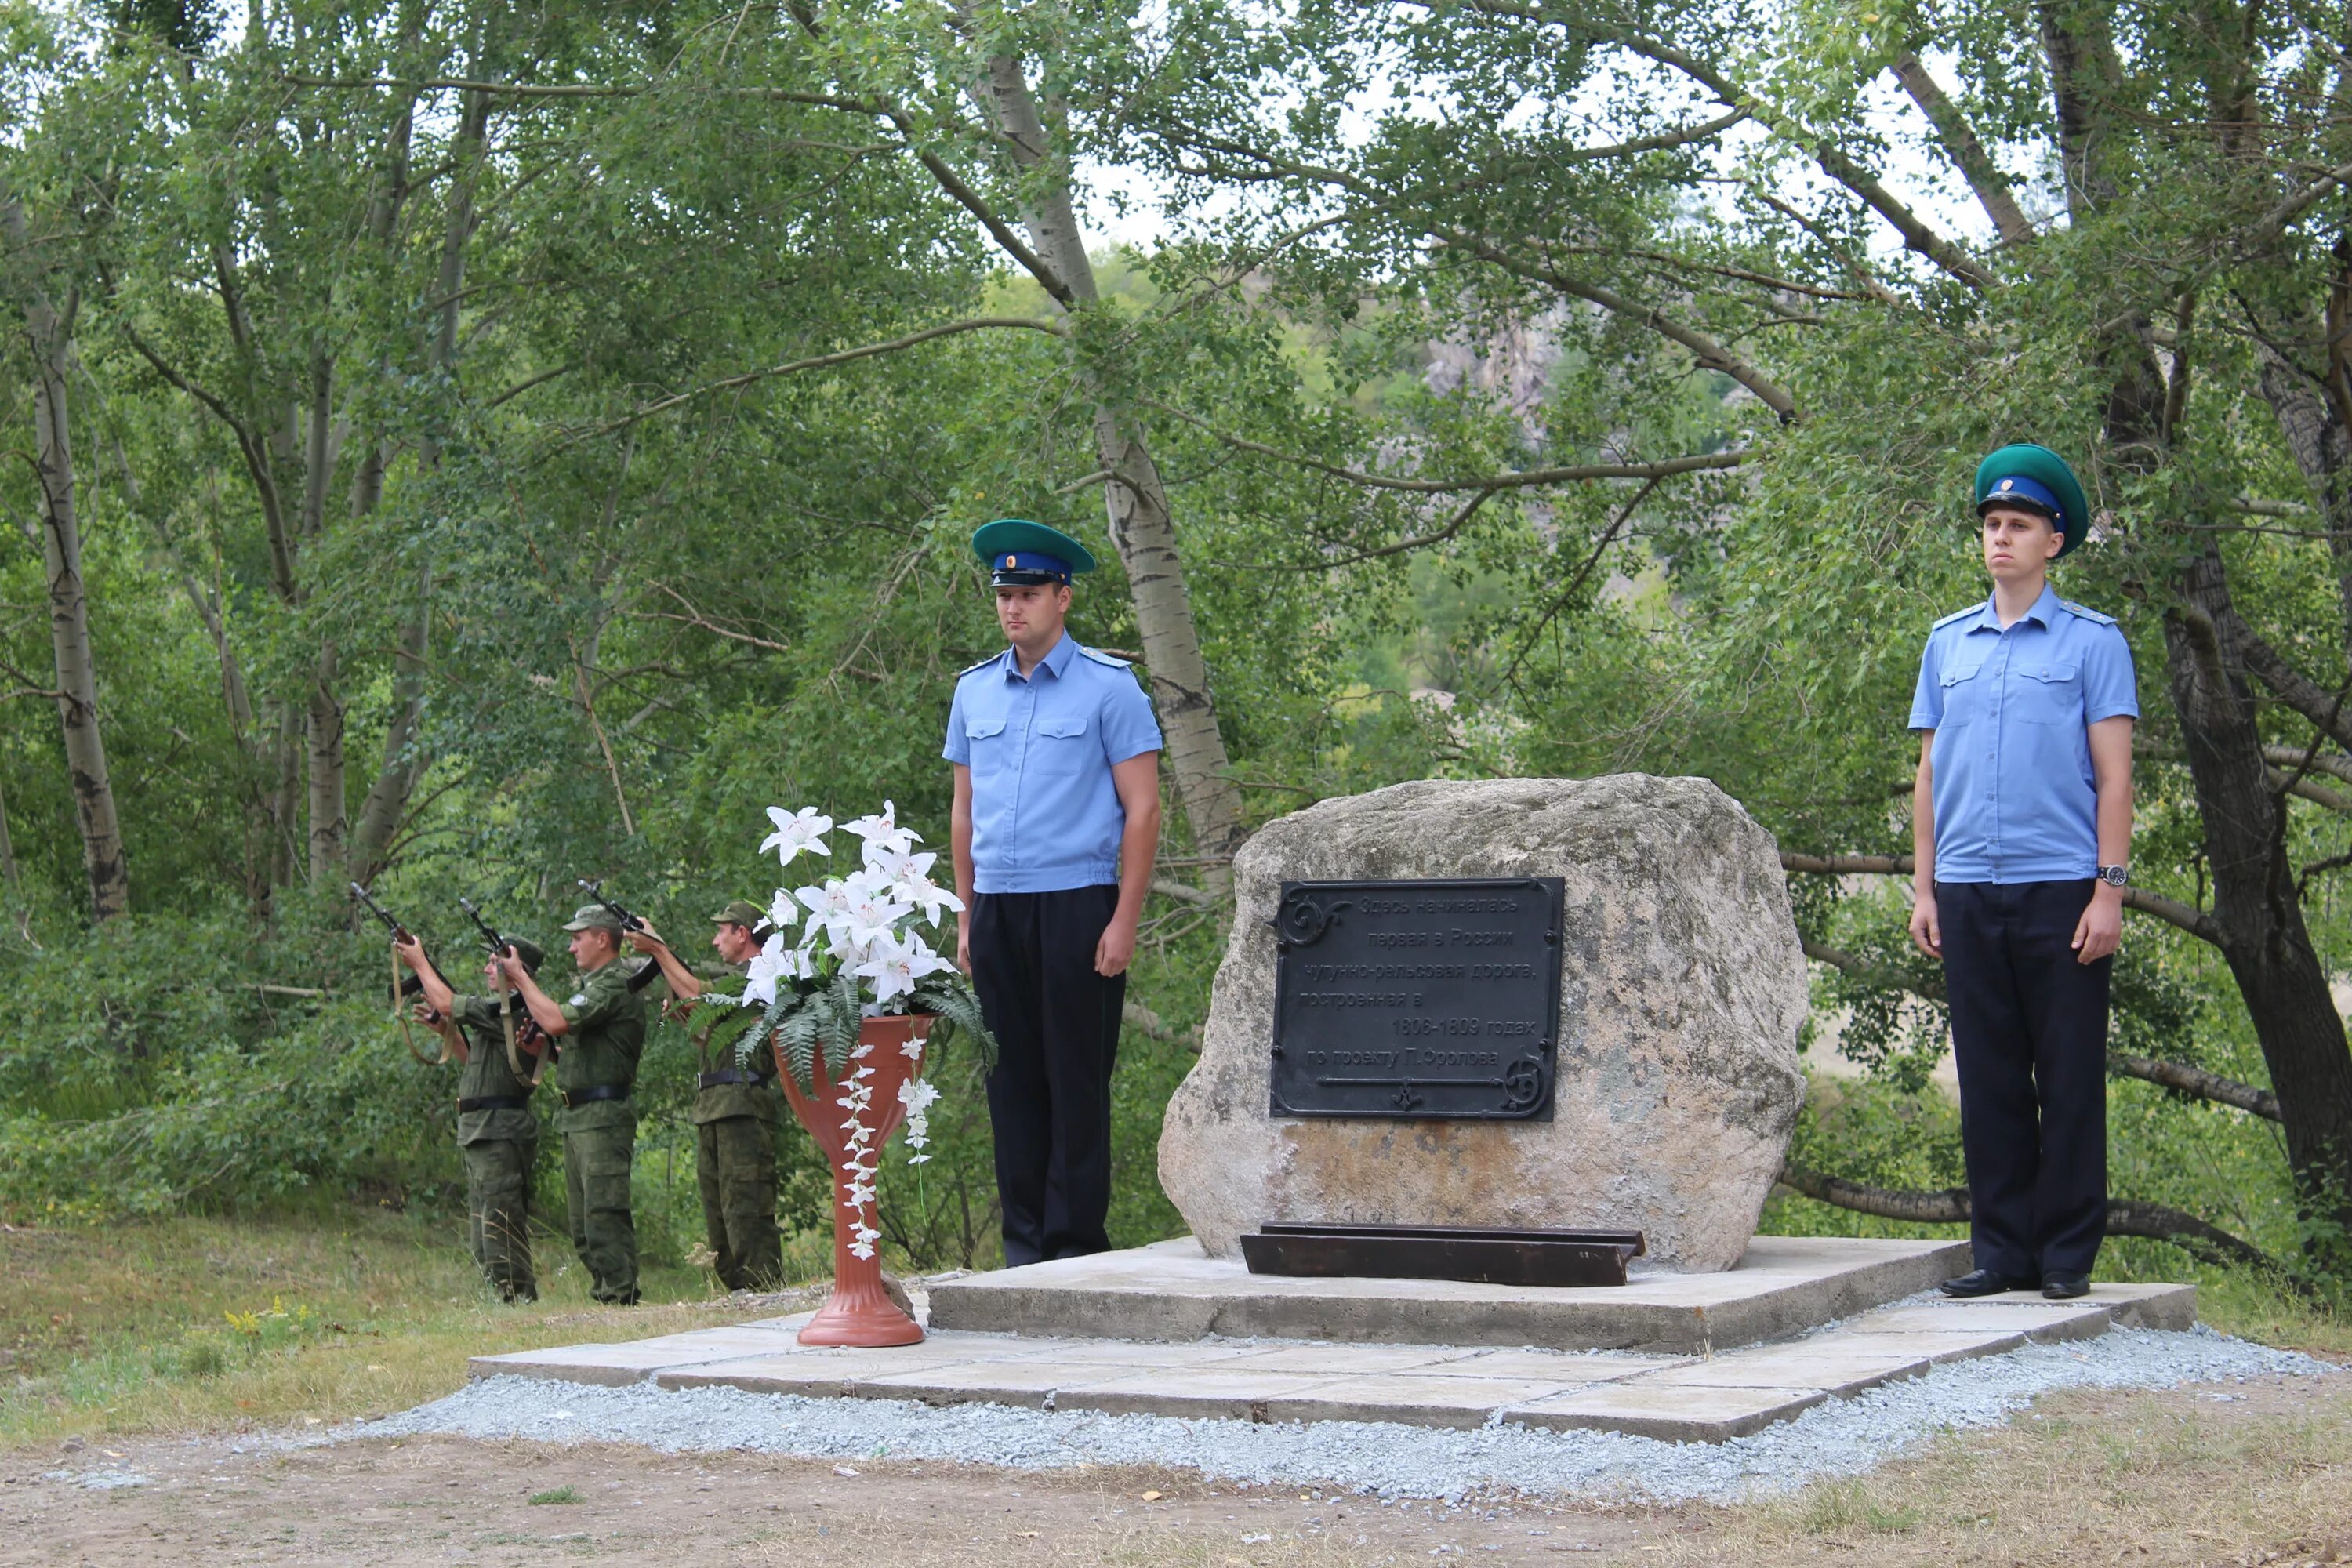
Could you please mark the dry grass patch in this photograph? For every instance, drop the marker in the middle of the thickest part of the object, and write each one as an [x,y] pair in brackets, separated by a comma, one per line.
[2086,1477]
[208,1325]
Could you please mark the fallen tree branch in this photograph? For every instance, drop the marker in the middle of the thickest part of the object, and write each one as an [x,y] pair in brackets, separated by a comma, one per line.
[2180,1077]
[2206,1242]
[2172,911]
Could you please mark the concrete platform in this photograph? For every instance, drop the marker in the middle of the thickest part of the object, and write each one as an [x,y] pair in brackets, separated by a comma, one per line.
[1173,1290]
[1680,1398]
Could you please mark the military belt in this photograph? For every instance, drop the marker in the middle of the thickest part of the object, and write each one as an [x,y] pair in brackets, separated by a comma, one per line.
[575,1097]
[735,1074]
[493,1102]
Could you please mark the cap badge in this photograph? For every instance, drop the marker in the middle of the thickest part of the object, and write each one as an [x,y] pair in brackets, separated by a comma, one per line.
[2006,484]
[1010,561]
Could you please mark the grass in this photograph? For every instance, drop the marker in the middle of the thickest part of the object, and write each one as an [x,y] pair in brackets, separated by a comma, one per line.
[560,1494]
[205,1324]
[2086,1477]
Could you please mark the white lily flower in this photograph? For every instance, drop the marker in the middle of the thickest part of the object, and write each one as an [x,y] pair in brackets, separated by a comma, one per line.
[796,831]
[781,911]
[825,901]
[903,866]
[873,921]
[771,963]
[928,898]
[885,825]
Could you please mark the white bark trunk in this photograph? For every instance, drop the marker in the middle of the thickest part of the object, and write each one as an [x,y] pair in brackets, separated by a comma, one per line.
[1142,528]
[48,330]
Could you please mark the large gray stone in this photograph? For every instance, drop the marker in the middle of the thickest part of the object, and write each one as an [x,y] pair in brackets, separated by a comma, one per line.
[1683,989]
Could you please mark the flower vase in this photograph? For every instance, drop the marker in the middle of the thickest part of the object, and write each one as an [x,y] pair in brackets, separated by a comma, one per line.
[857,1312]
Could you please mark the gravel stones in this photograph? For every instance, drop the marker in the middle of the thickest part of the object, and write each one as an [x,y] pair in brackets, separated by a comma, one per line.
[1683,989]
[1842,1437]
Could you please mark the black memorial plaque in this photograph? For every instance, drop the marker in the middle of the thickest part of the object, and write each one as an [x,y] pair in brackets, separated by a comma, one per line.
[1417,1000]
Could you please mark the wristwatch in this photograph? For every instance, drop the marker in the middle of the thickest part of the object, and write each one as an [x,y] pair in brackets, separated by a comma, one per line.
[2114,876]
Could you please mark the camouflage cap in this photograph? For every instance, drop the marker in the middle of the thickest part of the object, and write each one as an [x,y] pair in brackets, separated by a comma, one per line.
[742,912]
[528,950]
[595,917]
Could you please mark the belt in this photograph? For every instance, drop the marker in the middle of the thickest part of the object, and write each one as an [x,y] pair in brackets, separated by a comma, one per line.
[735,1074]
[493,1102]
[572,1097]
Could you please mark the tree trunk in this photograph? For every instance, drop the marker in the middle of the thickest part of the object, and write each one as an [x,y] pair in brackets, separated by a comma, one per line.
[2255,901]
[404,764]
[48,333]
[1141,527]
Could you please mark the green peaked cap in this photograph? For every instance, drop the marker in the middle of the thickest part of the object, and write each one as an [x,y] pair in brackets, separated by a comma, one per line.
[1017,537]
[2048,470]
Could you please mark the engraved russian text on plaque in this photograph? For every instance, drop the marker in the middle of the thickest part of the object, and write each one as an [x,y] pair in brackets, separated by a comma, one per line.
[1417,1000]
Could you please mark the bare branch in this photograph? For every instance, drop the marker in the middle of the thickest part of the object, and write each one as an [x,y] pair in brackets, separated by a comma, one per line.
[1967,153]
[1560,476]
[822,362]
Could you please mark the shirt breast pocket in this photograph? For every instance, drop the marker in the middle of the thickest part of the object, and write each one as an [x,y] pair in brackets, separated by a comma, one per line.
[1963,694]
[990,749]
[2050,694]
[1062,747]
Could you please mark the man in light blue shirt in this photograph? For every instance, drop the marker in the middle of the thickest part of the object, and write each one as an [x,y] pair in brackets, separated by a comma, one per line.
[2021,821]
[1056,824]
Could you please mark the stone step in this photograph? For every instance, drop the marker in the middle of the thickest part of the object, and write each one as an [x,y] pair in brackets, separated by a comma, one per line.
[1174,1290]
[1676,1398]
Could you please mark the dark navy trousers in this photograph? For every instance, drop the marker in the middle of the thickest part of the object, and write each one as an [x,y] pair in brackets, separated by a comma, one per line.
[1056,1027]
[2029,1039]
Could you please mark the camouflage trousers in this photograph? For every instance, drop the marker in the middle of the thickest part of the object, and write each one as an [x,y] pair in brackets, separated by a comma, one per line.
[596,1193]
[735,1165]
[497,1213]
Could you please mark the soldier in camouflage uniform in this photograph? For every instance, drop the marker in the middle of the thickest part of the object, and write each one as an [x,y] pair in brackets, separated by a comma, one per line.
[602,1030]
[497,1132]
[735,1109]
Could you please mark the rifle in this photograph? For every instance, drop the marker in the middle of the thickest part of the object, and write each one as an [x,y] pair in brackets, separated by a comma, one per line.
[649,971]
[402,986]
[530,1035]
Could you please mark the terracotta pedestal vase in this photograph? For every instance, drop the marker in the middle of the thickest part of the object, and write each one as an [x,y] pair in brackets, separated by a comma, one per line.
[859,1313]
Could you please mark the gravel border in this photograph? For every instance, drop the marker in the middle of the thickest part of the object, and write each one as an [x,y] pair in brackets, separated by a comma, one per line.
[1843,1437]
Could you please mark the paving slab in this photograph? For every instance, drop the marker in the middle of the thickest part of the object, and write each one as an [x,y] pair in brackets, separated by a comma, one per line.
[1843,1366]
[1564,1366]
[1345,1361]
[1412,1399]
[1670,1414]
[2148,1306]
[1174,1290]
[1022,1383]
[1213,1393]
[1728,1390]
[2035,1319]
[629,1361]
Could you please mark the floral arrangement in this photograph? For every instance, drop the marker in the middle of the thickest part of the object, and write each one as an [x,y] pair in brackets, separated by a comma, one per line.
[859,954]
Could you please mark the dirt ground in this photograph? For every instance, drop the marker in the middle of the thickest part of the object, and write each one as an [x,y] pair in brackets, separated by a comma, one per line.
[2254,1474]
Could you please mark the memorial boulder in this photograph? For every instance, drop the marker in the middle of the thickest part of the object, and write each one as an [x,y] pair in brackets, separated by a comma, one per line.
[1537,1002]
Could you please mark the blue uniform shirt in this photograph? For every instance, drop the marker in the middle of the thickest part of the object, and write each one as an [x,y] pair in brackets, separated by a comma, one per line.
[1044,815]
[2015,800]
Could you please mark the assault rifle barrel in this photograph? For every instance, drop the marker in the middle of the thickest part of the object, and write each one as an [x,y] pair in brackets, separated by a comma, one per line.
[649,972]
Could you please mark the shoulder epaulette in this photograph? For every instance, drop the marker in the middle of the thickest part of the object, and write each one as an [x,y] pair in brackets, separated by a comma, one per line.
[1959,616]
[2093,617]
[983,664]
[1101,657]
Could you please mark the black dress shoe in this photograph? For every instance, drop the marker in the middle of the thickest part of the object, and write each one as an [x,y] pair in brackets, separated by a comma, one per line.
[2066,1287]
[1981,1282]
